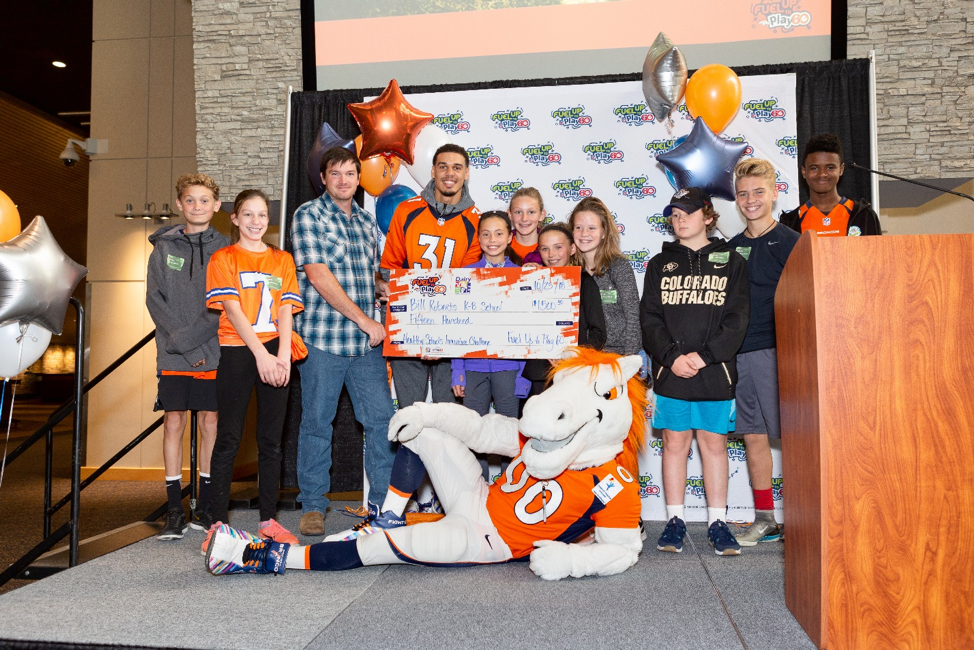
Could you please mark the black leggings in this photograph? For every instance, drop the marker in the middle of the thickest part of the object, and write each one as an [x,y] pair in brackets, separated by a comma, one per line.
[236,377]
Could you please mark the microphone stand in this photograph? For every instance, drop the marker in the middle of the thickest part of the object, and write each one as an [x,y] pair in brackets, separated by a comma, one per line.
[908,180]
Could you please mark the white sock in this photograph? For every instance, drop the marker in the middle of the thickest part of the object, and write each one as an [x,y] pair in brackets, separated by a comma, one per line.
[202,475]
[295,558]
[715,514]
[177,477]
[674,511]
[395,502]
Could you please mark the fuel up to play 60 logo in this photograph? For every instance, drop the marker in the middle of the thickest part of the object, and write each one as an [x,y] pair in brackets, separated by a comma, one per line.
[634,114]
[603,152]
[572,189]
[541,155]
[452,123]
[483,157]
[785,15]
[763,110]
[788,145]
[511,120]
[656,147]
[504,190]
[635,187]
[571,117]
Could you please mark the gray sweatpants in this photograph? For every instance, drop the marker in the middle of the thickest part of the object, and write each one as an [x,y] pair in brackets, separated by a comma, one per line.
[411,377]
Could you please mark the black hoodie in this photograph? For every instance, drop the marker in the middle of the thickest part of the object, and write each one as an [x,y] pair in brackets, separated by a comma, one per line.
[695,301]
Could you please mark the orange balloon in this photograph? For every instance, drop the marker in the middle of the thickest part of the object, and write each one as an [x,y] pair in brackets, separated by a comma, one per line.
[9,219]
[389,123]
[714,93]
[377,173]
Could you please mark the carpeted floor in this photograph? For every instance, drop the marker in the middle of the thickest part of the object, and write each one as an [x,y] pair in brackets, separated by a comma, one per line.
[159,594]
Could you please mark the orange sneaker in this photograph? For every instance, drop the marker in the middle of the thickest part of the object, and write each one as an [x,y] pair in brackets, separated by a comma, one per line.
[277,533]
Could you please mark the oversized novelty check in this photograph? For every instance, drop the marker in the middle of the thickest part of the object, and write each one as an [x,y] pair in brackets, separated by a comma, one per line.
[499,313]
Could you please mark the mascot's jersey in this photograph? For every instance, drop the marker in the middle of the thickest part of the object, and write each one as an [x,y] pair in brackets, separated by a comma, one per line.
[571,507]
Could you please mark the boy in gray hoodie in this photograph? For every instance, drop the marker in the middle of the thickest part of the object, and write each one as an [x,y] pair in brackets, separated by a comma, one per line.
[187,348]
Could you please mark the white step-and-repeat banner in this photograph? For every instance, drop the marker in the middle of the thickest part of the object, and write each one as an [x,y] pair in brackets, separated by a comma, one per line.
[601,140]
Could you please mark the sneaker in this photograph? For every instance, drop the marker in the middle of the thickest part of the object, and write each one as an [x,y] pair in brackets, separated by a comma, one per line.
[374,523]
[764,529]
[722,540]
[201,520]
[232,551]
[175,525]
[312,523]
[431,507]
[216,525]
[671,540]
[277,533]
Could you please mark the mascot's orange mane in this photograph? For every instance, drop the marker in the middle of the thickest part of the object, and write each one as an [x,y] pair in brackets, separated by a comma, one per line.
[636,389]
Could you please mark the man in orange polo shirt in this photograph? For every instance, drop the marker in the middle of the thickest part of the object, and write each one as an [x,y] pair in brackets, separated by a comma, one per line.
[826,212]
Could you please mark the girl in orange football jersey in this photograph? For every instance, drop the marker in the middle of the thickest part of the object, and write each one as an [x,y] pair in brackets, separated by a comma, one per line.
[255,288]
[527,214]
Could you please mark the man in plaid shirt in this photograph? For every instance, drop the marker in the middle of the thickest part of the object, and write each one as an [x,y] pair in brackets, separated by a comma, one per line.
[337,257]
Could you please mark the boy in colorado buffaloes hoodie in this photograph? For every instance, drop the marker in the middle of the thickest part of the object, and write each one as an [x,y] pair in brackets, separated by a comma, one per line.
[694,315]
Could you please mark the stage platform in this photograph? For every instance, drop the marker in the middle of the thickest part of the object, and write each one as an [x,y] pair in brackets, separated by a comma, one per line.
[158,594]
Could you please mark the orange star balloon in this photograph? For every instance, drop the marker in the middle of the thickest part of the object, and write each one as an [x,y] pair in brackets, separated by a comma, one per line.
[389,124]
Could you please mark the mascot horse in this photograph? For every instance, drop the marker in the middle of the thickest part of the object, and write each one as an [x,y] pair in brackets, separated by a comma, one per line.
[574,468]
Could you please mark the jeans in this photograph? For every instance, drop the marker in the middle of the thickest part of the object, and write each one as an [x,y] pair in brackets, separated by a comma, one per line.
[322,378]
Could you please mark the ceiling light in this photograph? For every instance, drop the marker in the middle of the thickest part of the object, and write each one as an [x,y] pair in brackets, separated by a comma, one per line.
[59,64]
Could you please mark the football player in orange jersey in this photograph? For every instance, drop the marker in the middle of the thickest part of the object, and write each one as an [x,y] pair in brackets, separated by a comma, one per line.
[255,287]
[826,212]
[437,229]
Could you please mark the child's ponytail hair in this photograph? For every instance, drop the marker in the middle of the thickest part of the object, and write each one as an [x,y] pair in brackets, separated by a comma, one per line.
[497,214]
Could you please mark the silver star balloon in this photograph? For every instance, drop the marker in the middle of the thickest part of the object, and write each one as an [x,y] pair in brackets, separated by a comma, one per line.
[36,278]
[705,161]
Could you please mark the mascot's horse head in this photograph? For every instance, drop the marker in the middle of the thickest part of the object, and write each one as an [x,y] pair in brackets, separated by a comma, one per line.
[594,410]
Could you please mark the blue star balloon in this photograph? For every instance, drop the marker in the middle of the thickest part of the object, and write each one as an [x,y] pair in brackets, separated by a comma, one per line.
[705,161]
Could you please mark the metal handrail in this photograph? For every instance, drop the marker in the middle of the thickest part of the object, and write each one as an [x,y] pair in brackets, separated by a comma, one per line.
[70,528]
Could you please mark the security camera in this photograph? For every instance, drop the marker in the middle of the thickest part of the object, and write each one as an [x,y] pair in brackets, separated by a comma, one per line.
[70,155]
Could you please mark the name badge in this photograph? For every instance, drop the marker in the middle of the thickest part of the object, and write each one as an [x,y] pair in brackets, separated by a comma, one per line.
[608,296]
[719,258]
[744,251]
[607,488]
[175,263]
[274,283]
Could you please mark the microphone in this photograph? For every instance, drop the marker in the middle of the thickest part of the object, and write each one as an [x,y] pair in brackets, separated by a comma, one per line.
[908,180]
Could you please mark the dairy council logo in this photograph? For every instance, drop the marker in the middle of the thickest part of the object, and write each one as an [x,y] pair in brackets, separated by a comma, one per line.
[483,157]
[541,155]
[781,15]
[504,190]
[779,183]
[638,259]
[635,187]
[788,145]
[452,123]
[572,189]
[646,486]
[572,117]
[634,114]
[739,139]
[512,120]
[660,224]
[656,147]
[603,152]
[763,110]
[695,486]
[461,285]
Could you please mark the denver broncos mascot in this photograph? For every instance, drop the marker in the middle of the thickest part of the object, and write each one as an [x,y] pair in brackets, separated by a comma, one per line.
[574,467]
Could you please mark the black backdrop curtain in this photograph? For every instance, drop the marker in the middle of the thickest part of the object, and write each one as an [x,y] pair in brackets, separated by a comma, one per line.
[832,97]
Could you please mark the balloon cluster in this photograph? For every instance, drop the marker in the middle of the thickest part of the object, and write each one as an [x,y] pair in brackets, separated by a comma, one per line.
[394,134]
[713,97]
[36,282]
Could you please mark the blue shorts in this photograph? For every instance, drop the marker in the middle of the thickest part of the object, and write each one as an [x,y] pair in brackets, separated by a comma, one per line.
[681,415]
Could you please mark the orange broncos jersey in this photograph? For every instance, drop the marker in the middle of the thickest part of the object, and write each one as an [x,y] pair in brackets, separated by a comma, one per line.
[522,250]
[260,282]
[420,239]
[833,224]
[570,509]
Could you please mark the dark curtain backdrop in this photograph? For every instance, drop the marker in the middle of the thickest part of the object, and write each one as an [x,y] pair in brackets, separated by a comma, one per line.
[832,97]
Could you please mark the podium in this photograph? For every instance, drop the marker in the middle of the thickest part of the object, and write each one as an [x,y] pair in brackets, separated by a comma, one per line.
[876,372]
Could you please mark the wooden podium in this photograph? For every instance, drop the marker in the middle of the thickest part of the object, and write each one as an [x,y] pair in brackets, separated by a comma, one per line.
[876,371]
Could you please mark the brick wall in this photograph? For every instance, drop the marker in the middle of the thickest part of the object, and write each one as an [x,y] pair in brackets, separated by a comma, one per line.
[247,52]
[924,82]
